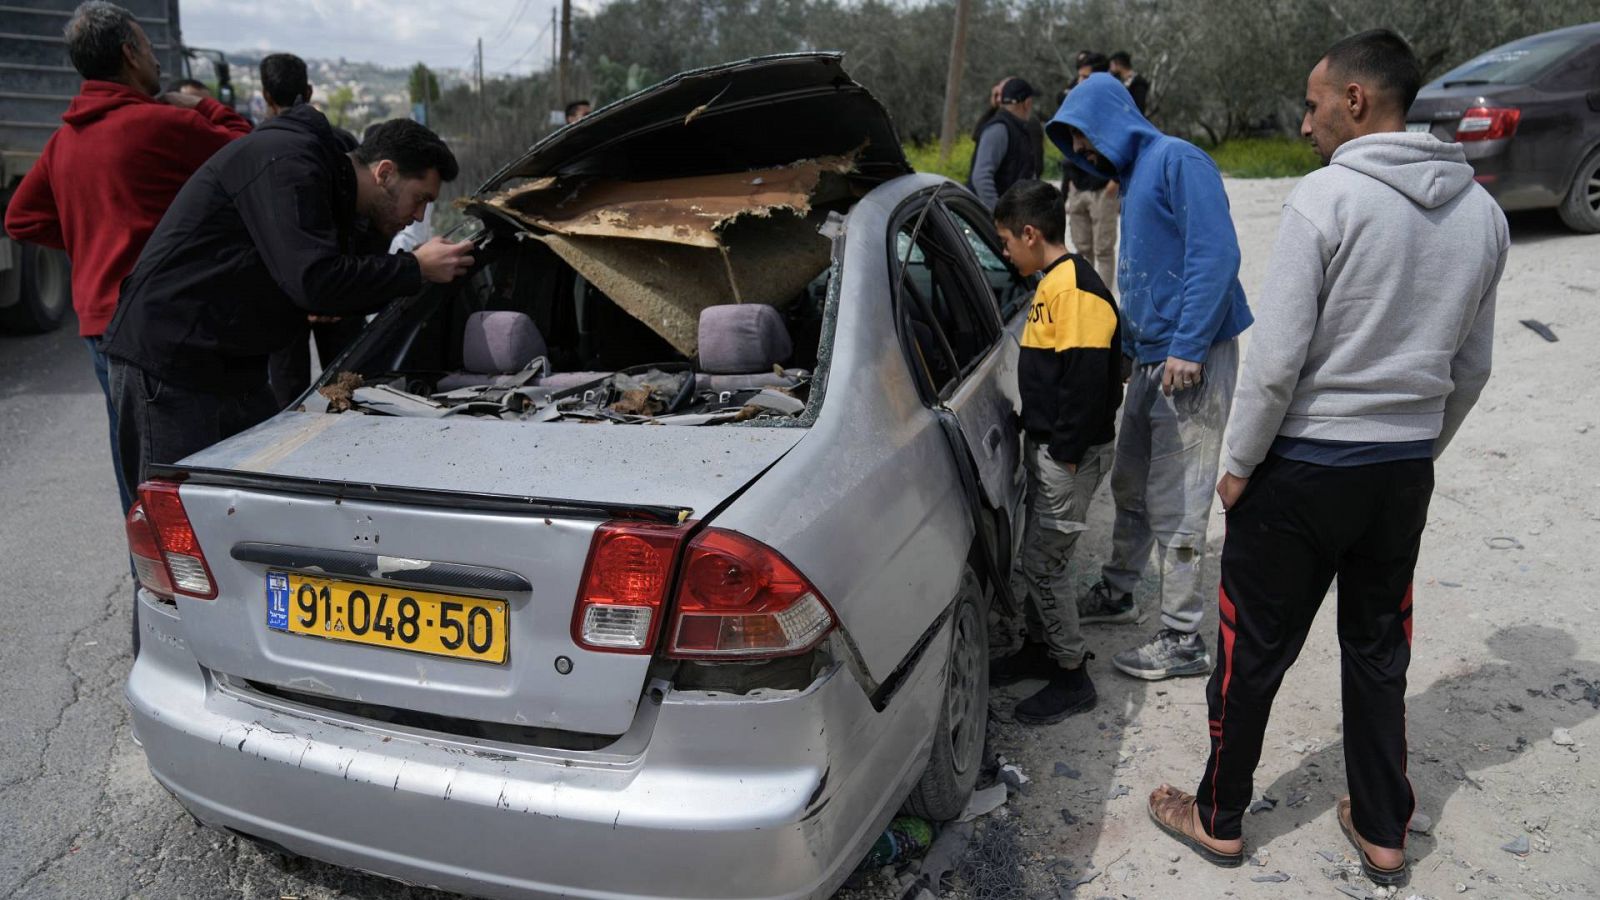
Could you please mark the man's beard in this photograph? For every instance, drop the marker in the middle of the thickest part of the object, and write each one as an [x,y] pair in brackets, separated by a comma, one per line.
[1103,166]
[388,219]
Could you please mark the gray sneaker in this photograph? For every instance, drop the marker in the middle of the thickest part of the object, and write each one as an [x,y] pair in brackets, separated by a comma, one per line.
[1167,655]
[1101,605]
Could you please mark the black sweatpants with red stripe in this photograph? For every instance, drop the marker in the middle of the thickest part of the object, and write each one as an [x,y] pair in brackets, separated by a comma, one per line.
[1296,528]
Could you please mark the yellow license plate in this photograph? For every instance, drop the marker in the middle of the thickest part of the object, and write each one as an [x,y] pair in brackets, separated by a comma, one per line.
[387,616]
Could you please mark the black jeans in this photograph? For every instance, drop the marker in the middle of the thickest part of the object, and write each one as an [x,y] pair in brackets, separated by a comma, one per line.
[1296,528]
[160,422]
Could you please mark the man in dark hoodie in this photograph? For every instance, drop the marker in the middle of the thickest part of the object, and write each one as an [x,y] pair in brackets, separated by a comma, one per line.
[261,237]
[106,176]
[1182,312]
[1377,321]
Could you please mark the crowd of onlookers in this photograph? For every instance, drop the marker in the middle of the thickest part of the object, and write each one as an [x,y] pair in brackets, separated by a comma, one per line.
[1369,346]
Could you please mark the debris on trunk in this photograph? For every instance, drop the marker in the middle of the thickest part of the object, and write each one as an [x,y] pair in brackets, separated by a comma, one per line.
[338,393]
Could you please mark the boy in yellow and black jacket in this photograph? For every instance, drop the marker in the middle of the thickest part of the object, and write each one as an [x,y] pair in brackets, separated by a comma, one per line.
[1069,375]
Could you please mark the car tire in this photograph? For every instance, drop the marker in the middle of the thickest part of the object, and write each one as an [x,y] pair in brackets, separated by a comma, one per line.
[946,784]
[1581,208]
[39,288]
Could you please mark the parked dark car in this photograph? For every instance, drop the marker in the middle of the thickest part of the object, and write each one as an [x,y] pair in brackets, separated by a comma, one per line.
[1528,114]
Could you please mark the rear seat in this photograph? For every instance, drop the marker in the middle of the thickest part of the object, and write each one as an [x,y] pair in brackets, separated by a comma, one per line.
[497,345]
[742,347]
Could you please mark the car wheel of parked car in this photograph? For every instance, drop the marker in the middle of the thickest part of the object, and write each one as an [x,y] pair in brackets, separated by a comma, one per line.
[1581,209]
[952,770]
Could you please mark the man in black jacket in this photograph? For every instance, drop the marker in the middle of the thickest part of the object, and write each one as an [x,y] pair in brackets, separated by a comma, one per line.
[1138,85]
[1005,153]
[262,236]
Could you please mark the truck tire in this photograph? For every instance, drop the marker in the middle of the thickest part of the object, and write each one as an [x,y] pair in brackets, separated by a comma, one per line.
[1581,207]
[40,288]
[946,784]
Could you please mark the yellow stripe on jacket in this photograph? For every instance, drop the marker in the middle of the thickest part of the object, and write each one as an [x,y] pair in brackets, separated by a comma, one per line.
[1066,317]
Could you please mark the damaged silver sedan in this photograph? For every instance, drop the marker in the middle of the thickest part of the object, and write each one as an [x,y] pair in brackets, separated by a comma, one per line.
[652,561]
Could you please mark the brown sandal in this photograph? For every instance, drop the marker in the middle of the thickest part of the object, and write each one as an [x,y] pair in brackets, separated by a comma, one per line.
[1171,809]
[1375,873]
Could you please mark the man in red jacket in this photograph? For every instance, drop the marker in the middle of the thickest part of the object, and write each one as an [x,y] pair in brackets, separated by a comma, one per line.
[109,173]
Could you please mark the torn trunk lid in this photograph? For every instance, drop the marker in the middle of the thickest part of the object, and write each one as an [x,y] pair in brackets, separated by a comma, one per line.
[462,508]
[759,113]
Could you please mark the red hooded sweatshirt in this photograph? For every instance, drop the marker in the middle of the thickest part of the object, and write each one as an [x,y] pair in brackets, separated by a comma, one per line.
[104,180]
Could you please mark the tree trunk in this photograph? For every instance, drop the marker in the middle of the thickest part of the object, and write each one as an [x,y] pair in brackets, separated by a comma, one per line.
[952,85]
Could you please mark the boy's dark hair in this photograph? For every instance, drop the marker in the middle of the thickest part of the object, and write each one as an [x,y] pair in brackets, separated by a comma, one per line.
[1035,203]
[573,106]
[283,79]
[1122,58]
[1096,62]
[410,146]
[1383,59]
[96,34]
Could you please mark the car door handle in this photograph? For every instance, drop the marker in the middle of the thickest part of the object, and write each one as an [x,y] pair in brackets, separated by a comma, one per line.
[991,440]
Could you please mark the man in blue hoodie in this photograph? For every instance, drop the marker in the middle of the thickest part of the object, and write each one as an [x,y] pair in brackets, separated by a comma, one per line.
[1182,311]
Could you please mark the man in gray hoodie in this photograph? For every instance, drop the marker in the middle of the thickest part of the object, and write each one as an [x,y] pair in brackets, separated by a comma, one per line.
[1372,341]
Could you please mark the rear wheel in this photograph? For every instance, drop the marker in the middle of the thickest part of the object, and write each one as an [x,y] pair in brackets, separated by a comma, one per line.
[952,771]
[1581,208]
[38,287]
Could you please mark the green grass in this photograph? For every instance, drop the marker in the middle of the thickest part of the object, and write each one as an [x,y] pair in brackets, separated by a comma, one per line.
[925,158]
[1274,157]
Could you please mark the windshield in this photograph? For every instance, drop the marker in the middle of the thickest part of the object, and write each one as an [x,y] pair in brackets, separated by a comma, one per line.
[1518,62]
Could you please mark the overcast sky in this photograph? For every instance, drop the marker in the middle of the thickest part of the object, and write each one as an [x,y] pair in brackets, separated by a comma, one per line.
[392,33]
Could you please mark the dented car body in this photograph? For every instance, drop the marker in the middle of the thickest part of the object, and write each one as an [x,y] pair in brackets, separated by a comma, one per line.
[651,561]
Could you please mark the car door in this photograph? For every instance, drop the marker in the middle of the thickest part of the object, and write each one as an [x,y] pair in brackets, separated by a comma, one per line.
[1011,295]
[964,360]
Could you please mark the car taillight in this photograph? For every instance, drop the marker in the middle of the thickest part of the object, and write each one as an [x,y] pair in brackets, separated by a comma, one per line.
[739,599]
[1485,123]
[147,563]
[166,553]
[623,594]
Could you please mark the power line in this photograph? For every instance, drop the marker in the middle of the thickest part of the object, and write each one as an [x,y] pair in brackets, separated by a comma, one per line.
[516,17]
[532,44]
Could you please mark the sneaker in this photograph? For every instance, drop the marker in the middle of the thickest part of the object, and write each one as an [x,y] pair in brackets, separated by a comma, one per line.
[1030,661]
[1169,654]
[1101,605]
[1068,692]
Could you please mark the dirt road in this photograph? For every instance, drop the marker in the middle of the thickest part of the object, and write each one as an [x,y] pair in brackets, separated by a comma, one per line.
[1506,657]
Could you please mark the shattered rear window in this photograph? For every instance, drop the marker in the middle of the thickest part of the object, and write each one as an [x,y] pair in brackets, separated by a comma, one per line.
[597,295]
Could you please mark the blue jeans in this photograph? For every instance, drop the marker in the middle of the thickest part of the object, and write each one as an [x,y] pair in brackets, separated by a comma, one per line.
[102,375]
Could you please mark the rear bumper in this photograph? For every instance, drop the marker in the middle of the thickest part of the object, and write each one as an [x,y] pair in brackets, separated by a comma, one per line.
[1500,167]
[749,797]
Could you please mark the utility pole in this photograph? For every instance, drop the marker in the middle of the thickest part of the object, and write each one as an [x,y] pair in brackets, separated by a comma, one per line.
[566,51]
[480,76]
[952,85]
